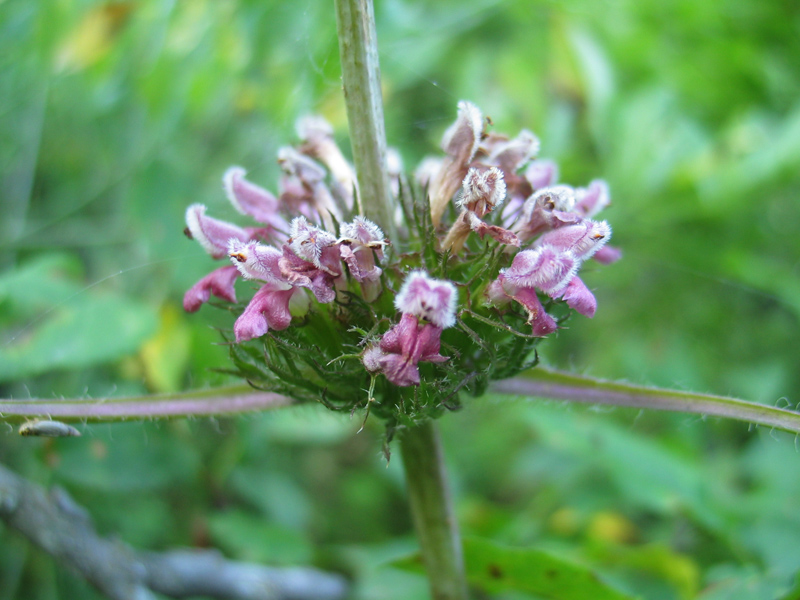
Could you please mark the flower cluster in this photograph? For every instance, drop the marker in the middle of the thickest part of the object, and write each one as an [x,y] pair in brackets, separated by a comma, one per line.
[515,238]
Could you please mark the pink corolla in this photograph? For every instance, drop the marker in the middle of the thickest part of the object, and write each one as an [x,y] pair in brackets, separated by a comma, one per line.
[269,308]
[428,307]
[551,266]
[360,243]
[549,208]
[559,206]
[213,235]
[311,259]
[250,199]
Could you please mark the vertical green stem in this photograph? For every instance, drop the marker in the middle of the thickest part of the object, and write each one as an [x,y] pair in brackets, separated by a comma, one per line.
[421,448]
[432,511]
[361,77]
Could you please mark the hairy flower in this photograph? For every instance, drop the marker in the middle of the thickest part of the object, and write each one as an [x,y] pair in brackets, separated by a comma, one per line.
[269,309]
[361,242]
[427,298]
[552,266]
[428,307]
[253,200]
[219,282]
[212,234]
[402,348]
[481,192]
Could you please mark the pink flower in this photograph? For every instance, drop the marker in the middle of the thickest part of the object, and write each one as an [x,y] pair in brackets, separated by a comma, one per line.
[311,259]
[499,293]
[361,242]
[256,261]
[402,348]
[250,199]
[219,282]
[583,239]
[214,235]
[539,174]
[481,192]
[549,208]
[426,298]
[551,266]
[428,307]
[269,309]
[592,199]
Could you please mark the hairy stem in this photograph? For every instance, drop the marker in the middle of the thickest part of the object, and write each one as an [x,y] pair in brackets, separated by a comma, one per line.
[539,382]
[361,77]
[218,402]
[548,383]
[432,511]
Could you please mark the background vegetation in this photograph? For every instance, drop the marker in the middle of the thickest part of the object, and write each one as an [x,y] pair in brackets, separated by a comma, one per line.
[114,117]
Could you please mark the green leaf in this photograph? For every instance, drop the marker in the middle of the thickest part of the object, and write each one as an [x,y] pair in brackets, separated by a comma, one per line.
[648,473]
[36,287]
[98,329]
[494,568]
[68,325]
[794,593]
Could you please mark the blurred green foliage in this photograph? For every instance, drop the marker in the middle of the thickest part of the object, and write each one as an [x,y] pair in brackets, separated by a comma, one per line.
[114,117]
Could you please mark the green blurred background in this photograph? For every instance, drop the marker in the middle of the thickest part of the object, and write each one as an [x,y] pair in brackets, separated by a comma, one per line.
[115,117]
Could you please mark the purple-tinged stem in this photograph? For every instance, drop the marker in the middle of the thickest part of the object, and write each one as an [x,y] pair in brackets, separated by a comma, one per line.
[216,402]
[539,382]
[558,385]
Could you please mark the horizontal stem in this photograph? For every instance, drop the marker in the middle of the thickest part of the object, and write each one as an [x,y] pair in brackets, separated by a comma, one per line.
[539,382]
[547,383]
[218,401]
